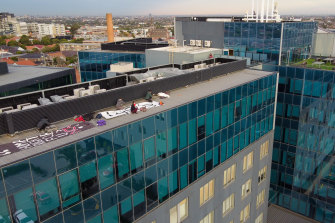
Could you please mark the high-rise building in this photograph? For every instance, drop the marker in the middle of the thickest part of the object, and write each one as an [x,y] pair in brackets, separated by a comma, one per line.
[203,156]
[95,63]
[303,169]
[272,42]
[42,29]
[8,24]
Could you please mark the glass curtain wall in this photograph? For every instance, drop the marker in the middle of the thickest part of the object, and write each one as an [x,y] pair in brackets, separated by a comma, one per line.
[261,41]
[303,168]
[93,65]
[123,173]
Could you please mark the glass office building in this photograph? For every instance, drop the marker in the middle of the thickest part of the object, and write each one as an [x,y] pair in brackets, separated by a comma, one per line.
[303,169]
[262,41]
[275,43]
[122,174]
[94,64]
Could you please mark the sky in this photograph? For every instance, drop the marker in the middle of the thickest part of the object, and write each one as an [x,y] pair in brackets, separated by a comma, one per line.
[158,7]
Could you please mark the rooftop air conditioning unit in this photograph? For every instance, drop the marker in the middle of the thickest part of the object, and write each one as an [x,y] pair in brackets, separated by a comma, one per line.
[6,109]
[20,106]
[85,93]
[150,79]
[76,92]
[94,88]
[44,101]
[100,91]
[192,42]
[208,43]
[198,43]
[29,106]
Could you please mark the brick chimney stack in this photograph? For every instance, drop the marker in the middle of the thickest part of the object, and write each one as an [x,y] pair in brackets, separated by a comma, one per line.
[110,29]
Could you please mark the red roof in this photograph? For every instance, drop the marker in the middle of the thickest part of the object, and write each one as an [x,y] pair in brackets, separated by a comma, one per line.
[25,62]
[22,62]
[56,54]
[9,61]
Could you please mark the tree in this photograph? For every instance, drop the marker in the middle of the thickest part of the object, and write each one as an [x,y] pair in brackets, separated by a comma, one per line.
[12,43]
[55,48]
[46,40]
[2,42]
[36,42]
[14,59]
[54,41]
[46,49]
[71,60]
[35,50]
[80,40]
[74,28]
[51,49]
[24,40]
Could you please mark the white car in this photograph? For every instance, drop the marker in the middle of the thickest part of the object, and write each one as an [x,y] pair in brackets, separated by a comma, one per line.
[21,217]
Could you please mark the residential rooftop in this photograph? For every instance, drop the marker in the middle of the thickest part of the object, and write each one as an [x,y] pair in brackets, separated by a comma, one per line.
[178,96]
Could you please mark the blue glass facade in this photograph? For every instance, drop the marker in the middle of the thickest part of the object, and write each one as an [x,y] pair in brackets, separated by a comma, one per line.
[121,174]
[262,41]
[93,65]
[303,169]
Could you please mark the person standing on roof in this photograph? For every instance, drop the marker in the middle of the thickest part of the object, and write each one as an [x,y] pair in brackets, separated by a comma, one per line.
[148,96]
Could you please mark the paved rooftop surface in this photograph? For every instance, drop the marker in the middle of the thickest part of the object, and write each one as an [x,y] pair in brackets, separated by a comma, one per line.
[111,51]
[22,73]
[278,214]
[185,49]
[177,98]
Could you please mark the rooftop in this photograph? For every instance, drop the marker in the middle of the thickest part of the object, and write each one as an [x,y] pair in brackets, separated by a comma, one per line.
[112,51]
[278,214]
[26,75]
[178,97]
[221,19]
[185,49]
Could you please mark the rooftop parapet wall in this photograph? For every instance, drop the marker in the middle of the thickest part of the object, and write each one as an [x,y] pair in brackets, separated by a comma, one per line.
[27,119]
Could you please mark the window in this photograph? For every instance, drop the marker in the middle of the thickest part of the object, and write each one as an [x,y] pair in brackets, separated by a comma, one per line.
[259,219]
[246,188]
[245,214]
[262,174]
[247,161]
[229,175]
[206,192]
[260,198]
[264,149]
[228,204]
[208,218]
[179,212]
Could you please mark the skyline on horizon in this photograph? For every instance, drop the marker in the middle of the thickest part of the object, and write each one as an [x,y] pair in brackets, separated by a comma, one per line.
[132,7]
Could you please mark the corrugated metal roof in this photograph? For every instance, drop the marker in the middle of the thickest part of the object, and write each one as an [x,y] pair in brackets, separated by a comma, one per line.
[278,214]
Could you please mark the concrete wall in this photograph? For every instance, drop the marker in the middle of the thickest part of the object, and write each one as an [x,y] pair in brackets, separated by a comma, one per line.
[200,31]
[324,45]
[195,213]
[157,58]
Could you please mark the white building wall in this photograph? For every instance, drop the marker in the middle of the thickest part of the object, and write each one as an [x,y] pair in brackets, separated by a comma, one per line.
[324,45]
